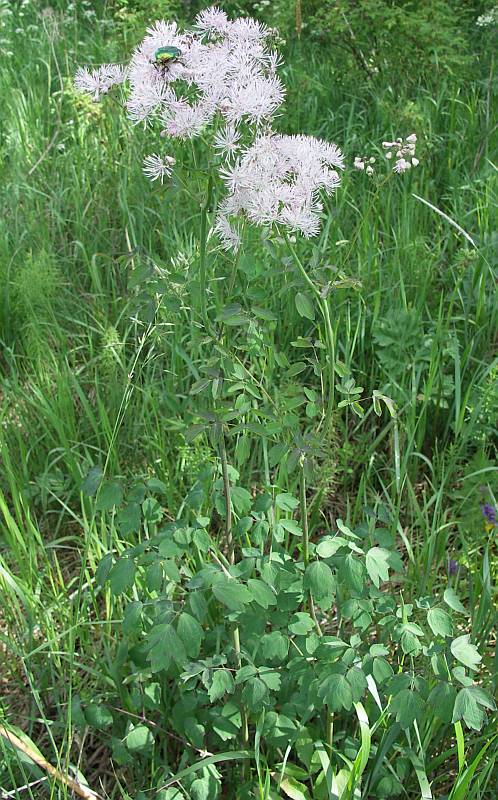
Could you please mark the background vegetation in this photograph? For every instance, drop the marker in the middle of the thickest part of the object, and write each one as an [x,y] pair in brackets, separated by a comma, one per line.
[101,359]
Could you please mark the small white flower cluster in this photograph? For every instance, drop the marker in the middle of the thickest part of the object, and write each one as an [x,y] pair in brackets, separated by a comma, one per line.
[364,163]
[404,152]
[489,19]
[278,180]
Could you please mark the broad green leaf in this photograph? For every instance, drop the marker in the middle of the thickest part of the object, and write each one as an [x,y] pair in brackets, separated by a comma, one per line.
[262,503]
[221,684]
[286,501]
[139,740]
[191,634]
[165,646]
[358,683]
[271,677]
[408,706]
[351,572]
[241,499]
[301,623]
[128,519]
[98,716]
[319,580]
[131,618]
[467,708]
[122,575]
[110,495]
[154,577]
[377,563]
[329,545]
[294,789]
[292,526]
[103,569]
[156,486]
[254,693]
[232,594]
[451,599]
[275,645]
[382,670]
[152,511]
[465,652]
[336,692]
[304,306]
[92,481]
[442,700]
[261,593]
[440,622]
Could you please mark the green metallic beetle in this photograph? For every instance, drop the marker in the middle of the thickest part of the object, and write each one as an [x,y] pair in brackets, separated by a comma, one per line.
[166,55]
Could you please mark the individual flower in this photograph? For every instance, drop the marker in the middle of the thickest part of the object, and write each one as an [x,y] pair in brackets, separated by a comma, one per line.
[156,167]
[452,566]
[490,516]
[98,81]
[229,237]
[278,180]
[226,141]
[212,20]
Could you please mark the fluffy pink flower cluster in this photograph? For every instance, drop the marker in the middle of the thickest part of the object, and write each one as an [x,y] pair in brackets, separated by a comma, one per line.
[98,81]
[223,67]
[225,72]
[278,179]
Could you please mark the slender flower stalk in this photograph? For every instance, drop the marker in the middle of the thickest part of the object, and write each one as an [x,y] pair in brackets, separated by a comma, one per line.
[329,333]
[203,250]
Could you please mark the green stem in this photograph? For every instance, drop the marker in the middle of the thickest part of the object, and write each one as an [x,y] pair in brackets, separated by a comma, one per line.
[329,333]
[203,250]
[330,728]
[228,501]
[231,559]
[304,517]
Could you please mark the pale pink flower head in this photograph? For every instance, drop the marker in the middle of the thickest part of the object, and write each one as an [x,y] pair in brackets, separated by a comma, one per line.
[212,20]
[223,69]
[157,167]
[226,141]
[279,179]
[98,81]
[228,235]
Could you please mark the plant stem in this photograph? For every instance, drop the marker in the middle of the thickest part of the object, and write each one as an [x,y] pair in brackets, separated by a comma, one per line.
[329,333]
[203,250]
[231,558]
[304,516]
[228,501]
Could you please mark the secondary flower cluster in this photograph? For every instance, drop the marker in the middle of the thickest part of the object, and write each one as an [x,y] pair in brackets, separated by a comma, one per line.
[278,180]
[404,152]
[364,163]
[403,149]
[223,74]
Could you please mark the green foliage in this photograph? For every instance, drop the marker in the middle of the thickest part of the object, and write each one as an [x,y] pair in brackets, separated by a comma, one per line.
[269,643]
